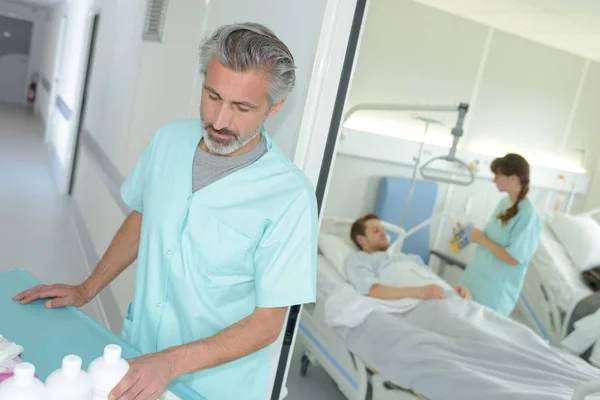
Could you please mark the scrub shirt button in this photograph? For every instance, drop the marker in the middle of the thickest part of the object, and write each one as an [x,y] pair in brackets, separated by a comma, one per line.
[159,304]
[168,252]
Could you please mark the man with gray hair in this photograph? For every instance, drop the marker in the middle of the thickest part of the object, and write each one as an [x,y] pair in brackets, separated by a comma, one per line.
[224,229]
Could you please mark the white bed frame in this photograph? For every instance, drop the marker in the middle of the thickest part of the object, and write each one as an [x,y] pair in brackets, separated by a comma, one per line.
[539,307]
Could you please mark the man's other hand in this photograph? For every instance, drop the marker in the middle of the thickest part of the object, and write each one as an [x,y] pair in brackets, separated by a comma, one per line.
[148,378]
[463,292]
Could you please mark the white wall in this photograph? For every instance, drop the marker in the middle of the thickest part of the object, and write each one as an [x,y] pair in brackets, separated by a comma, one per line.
[524,96]
[39,17]
[61,131]
[48,58]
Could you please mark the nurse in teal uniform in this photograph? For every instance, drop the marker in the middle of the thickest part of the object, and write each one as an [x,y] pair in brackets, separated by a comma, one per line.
[224,229]
[507,243]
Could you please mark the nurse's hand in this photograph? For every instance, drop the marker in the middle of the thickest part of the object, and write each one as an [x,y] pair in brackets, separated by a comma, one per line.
[58,295]
[147,379]
[477,235]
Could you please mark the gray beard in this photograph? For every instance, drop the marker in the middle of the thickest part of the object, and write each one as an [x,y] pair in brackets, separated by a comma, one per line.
[219,147]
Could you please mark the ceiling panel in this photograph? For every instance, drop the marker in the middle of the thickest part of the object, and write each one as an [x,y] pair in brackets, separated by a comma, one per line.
[570,25]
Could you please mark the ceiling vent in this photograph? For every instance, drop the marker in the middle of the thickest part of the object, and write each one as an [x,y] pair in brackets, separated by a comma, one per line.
[156,17]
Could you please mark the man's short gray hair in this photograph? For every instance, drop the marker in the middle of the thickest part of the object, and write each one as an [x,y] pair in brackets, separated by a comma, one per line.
[250,46]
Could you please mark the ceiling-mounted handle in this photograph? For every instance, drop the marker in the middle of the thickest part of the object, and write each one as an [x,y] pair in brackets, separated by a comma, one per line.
[425,174]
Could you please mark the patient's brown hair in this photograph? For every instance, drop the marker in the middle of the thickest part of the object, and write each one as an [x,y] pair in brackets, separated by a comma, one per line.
[359,227]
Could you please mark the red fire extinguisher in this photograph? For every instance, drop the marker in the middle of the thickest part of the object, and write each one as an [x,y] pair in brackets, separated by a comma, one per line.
[31,92]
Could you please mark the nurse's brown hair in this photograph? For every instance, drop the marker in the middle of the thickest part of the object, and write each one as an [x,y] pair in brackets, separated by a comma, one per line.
[509,165]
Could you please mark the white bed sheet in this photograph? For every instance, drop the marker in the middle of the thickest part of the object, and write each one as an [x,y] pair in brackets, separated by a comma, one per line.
[455,349]
[563,279]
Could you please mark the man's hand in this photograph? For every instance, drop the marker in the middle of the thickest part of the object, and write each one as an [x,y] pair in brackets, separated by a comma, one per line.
[59,295]
[463,292]
[147,379]
[431,292]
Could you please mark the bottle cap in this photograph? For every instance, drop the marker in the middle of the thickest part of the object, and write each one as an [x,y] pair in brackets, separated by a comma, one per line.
[71,366]
[24,373]
[112,354]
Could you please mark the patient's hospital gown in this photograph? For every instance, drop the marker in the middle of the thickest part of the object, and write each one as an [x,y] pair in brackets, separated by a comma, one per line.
[493,282]
[367,269]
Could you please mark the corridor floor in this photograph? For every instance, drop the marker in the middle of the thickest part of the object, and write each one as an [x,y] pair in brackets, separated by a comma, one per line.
[37,233]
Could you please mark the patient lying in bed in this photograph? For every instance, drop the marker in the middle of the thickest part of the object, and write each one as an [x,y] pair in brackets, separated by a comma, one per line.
[368,269]
[422,334]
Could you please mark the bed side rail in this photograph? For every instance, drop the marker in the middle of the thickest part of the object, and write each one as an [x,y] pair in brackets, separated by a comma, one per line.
[327,348]
[539,306]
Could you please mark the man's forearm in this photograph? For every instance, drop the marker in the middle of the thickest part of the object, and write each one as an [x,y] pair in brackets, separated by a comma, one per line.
[121,252]
[498,251]
[236,341]
[385,292]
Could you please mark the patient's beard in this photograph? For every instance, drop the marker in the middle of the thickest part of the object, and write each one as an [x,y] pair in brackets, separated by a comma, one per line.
[383,247]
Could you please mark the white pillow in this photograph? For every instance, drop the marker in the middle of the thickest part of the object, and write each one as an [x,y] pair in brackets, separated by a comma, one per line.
[558,270]
[580,235]
[336,250]
[328,276]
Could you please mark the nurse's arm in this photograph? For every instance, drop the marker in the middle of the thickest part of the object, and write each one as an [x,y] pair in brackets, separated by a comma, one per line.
[498,251]
[245,337]
[121,252]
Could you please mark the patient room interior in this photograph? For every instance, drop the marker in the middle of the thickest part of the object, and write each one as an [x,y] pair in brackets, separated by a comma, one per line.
[531,83]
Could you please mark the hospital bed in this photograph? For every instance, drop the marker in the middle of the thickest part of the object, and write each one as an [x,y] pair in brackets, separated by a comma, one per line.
[554,294]
[324,347]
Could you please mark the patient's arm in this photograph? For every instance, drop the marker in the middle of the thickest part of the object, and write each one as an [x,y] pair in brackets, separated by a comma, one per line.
[386,292]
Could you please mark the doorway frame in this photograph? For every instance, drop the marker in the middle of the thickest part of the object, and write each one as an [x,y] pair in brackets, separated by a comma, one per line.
[340,38]
[94,26]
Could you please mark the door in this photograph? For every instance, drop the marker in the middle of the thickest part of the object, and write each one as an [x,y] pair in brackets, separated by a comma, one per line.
[82,109]
[15,44]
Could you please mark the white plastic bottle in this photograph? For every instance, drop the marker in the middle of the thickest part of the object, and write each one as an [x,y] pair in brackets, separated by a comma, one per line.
[107,371]
[23,385]
[69,382]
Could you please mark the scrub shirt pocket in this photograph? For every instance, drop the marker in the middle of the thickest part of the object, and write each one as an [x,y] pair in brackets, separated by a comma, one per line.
[127,325]
[221,249]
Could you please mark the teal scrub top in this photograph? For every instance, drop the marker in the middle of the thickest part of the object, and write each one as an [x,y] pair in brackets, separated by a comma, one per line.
[207,259]
[492,282]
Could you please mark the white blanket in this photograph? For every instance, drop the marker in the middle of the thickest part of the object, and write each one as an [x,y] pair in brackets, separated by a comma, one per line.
[454,349]
[348,308]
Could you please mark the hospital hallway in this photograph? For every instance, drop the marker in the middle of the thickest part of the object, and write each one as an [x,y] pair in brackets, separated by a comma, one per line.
[37,232]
